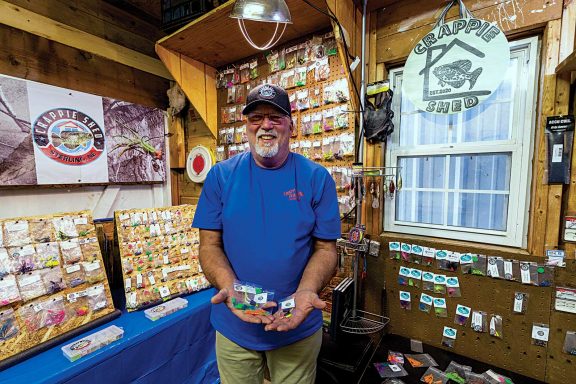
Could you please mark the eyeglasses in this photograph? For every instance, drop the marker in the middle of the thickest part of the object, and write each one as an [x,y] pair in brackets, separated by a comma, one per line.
[258,118]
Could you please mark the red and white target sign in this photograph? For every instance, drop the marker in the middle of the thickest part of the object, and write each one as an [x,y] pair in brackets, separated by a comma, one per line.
[199,163]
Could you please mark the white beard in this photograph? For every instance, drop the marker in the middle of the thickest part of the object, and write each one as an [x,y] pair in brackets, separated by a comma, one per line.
[265,151]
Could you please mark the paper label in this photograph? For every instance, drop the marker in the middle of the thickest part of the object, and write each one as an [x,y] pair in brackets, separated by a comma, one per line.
[450,332]
[164,273]
[466,258]
[462,310]
[68,244]
[417,250]
[404,271]
[16,226]
[453,257]
[540,333]
[477,323]
[415,274]
[439,302]
[88,267]
[518,302]
[26,250]
[124,216]
[493,267]
[166,259]
[440,279]
[164,292]
[73,268]
[287,304]
[139,280]
[557,150]
[81,221]
[394,368]
[96,290]
[184,250]
[525,272]
[428,276]
[441,255]
[261,298]
[508,269]
[37,307]
[452,282]
[426,299]
[8,281]
[128,283]
[428,252]
[151,278]
[405,296]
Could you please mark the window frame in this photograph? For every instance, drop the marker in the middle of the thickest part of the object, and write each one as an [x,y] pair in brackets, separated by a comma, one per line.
[520,145]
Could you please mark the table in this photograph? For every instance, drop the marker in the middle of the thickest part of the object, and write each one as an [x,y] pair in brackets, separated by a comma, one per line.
[178,348]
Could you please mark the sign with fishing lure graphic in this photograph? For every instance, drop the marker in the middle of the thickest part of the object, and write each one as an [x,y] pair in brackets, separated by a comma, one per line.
[457,65]
[53,135]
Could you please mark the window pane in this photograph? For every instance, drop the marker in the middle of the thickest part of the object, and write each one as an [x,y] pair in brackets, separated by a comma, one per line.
[420,207]
[422,172]
[478,210]
[489,172]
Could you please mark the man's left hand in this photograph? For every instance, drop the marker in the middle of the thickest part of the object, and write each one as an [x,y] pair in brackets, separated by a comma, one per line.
[305,302]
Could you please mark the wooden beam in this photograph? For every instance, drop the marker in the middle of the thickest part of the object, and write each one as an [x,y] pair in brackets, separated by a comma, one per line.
[39,25]
[545,207]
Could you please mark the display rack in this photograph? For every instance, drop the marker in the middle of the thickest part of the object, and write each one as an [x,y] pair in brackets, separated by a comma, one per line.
[355,320]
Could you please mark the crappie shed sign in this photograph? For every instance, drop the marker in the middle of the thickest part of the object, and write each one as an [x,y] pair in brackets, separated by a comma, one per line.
[456,66]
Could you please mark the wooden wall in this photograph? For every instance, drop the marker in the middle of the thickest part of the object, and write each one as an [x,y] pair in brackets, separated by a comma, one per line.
[394,31]
[29,56]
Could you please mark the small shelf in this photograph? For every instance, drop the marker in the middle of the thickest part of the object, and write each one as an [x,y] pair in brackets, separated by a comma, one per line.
[567,65]
[215,39]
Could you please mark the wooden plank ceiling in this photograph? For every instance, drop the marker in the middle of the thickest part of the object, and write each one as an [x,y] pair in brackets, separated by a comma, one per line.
[215,39]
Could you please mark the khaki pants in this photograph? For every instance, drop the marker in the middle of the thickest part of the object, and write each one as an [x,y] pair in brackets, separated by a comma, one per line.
[294,363]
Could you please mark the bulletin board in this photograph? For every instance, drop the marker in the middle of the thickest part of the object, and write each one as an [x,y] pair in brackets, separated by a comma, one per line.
[53,283]
[158,254]
[514,351]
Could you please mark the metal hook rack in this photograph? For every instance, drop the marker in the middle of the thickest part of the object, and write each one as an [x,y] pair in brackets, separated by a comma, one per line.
[355,320]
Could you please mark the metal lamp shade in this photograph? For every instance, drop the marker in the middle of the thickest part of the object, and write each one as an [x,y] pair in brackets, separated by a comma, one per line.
[273,11]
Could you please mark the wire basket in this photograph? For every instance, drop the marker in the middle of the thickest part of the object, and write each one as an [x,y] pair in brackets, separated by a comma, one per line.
[363,323]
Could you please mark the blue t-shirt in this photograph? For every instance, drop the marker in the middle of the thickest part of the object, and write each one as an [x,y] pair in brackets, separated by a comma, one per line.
[269,219]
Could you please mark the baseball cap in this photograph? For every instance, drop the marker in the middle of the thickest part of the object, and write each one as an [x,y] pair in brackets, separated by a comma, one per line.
[268,94]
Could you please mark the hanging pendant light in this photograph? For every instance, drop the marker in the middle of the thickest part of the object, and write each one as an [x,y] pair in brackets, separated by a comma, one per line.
[269,11]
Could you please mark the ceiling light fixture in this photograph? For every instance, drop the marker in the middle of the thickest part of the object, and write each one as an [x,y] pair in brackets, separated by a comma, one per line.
[269,11]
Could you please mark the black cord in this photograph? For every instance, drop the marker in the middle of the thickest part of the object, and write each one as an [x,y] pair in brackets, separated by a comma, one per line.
[332,16]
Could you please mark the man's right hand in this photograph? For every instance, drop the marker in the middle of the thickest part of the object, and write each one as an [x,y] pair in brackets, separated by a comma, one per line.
[223,296]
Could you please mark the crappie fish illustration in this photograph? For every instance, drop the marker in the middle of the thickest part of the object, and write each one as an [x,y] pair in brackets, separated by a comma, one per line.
[457,73]
[71,138]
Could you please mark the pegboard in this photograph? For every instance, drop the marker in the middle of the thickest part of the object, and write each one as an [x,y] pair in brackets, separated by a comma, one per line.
[337,72]
[514,351]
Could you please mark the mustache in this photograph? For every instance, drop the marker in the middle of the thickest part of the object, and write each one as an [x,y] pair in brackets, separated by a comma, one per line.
[270,133]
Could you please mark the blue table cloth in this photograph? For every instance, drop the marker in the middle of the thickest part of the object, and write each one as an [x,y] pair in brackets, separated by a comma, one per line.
[178,348]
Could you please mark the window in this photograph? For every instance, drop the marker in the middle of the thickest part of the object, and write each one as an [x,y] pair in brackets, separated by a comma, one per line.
[467,176]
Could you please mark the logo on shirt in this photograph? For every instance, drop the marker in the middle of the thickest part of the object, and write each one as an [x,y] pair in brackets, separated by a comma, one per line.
[292,195]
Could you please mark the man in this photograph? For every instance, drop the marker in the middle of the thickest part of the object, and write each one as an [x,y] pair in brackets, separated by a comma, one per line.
[268,217]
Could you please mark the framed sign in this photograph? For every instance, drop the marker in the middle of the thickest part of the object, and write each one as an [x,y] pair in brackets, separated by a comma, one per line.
[457,65]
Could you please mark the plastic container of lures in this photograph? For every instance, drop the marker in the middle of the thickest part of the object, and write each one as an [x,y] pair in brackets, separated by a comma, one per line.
[166,308]
[92,342]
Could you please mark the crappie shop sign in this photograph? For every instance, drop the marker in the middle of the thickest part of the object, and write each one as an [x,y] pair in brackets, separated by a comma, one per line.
[456,66]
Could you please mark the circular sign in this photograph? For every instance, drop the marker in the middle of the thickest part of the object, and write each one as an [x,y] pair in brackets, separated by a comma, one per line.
[456,66]
[199,163]
[68,136]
